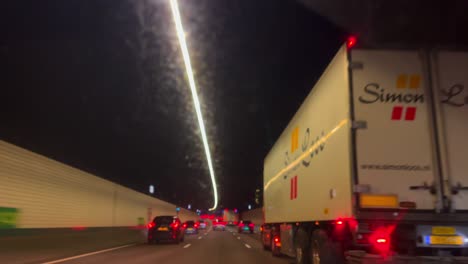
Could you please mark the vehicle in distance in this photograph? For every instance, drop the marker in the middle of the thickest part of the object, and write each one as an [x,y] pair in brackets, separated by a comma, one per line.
[246,226]
[219,225]
[374,159]
[190,227]
[230,217]
[165,228]
[201,224]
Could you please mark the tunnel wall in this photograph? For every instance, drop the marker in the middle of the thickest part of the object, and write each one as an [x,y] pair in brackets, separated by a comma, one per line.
[38,192]
[254,215]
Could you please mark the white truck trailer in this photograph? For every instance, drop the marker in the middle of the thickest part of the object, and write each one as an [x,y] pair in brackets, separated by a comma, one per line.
[375,161]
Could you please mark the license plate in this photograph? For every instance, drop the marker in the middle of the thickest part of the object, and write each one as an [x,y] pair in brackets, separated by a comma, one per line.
[443,230]
[189,229]
[163,229]
[446,240]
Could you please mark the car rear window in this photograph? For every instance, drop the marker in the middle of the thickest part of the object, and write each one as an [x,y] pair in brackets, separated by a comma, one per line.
[164,220]
[246,222]
[190,223]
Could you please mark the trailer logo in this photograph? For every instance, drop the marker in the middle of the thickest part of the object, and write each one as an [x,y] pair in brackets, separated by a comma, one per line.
[455,96]
[313,146]
[293,190]
[295,139]
[377,94]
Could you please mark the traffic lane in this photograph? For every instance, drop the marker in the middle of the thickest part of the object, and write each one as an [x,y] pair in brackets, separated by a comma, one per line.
[254,239]
[223,247]
[215,247]
[142,253]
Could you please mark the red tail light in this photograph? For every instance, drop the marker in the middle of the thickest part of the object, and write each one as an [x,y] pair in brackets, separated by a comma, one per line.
[151,225]
[339,222]
[251,225]
[196,225]
[351,42]
[184,226]
[277,241]
[380,239]
[174,225]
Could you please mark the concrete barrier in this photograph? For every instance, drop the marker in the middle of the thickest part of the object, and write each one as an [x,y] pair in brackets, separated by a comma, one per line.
[50,210]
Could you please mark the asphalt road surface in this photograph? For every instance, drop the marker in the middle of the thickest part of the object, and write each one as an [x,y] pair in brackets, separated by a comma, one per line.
[225,247]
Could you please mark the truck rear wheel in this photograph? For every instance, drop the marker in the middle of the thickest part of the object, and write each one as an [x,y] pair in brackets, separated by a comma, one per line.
[323,250]
[301,247]
[265,246]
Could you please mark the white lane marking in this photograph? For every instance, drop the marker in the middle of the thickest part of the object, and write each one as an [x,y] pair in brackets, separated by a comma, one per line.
[188,245]
[200,237]
[238,237]
[87,254]
[247,246]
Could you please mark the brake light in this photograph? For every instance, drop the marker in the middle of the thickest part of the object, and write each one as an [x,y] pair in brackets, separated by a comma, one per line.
[251,225]
[151,225]
[277,241]
[339,222]
[380,239]
[196,225]
[184,226]
[175,225]
[351,42]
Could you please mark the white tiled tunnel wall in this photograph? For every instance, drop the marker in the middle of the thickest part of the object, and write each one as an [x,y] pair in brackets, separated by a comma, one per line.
[51,194]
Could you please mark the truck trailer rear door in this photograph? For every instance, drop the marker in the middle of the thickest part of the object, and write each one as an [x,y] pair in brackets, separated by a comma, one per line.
[395,149]
[450,79]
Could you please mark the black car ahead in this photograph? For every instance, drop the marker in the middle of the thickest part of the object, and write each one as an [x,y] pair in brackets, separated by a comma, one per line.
[246,226]
[165,228]
[190,227]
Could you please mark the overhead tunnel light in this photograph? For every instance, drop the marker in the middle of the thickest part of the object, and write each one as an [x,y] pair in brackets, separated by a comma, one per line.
[193,89]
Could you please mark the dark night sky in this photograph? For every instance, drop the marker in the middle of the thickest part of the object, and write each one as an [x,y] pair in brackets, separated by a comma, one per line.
[100,85]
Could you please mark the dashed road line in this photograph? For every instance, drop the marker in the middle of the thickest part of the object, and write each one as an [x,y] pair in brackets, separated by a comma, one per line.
[247,246]
[199,237]
[238,237]
[188,245]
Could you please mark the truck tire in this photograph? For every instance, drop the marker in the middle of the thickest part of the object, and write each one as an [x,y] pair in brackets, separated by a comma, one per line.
[323,250]
[301,247]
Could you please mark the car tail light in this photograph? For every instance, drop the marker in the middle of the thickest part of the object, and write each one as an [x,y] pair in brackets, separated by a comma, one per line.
[251,225]
[151,225]
[175,225]
[196,225]
[184,226]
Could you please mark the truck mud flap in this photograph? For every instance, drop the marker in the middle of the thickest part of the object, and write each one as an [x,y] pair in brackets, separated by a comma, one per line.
[361,257]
